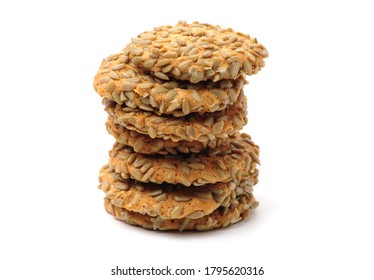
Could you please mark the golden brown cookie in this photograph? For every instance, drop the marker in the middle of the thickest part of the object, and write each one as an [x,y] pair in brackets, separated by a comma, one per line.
[196,52]
[193,127]
[236,160]
[169,201]
[144,144]
[120,81]
[219,218]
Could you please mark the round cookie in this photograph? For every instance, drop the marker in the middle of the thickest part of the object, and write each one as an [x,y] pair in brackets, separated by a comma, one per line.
[144,144]
[193,127]
[236,160]
[220,218]
[169,201]
[196,52]
[120,81]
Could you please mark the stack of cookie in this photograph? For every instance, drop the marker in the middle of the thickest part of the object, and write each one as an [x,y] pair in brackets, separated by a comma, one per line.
[175,101]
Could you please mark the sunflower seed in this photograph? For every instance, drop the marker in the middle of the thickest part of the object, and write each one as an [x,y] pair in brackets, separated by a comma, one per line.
[131,158]
[232,59]
[126,86]
[152,132]
[196,76]
[122,97]
[145,167]
[169,54]
[157,222]
[226,201]
[124,167]
[136,60]
[112,57]
[158,120]
[117,202]
[176,211]
[161,197]
[171,150]
[176,72]
[233,171]
[122,186]
[113,75]
[195,95]
[185,106]
[247,67]
[181,42]
[221,164]
[182,198]
[247,166]
[124,59]
[236,156]
[190,131]
[167,68]
[145,85]
[185,168]
[162,62]
[161,76]
[254,157]
[136,174]
[116,97]
[183,149]
[184,224]
[232,185]
[110,86]
[250,182]
[208,177]
[234,69]
[209,73]
[173,105]
[196,215]
[139,188]
[206,54]
[184,65]
[135,199]
[146,107]
[181,133]
[158,90]
[118,66]
[218,196]
[203,138]
[203,194]
[184,181]
[139,144]
[155,192]
[220,93]
[148,174]
[217,127]
[104,80]
[104,185]
[196,166]
[169,165]
[170,95]
[136,51]
[139,162]
[149,63]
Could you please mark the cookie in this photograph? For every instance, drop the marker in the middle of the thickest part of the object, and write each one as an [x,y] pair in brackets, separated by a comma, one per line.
[219,218]
[193,127]
[169,201]
[236,160]
[122,82]
[144,144]
[196,52]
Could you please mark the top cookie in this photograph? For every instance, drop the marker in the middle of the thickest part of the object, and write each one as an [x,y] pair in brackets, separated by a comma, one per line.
[196,52]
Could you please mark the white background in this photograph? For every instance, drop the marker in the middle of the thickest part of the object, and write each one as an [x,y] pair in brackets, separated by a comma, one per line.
[310,110]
